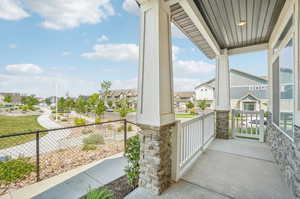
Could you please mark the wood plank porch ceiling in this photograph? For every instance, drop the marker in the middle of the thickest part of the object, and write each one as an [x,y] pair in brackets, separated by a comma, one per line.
[223,17]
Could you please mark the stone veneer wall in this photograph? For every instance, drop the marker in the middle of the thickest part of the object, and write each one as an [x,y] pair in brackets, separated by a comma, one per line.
[155,158]
[222,124]
[286,154]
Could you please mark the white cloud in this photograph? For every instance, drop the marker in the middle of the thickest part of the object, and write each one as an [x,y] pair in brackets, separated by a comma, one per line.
[64,14]
[24,68]
[65,53]
[176,33]
[114,52]
[131,6]
[12,46]
[103,38]
[193,67]
[185,84]
[12,10]
[45,85]
[124,84]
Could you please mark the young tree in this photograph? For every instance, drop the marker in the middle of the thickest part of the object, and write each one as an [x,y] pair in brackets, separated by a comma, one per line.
[30,101]
[105,86]
[80,105]
[123,107]
[189,105]
[48,101]
[61,105]
[100,108]
[110,103]
[202,104]
[8,99]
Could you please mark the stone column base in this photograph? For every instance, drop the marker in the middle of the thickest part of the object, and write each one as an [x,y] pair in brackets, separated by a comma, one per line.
[222,124]
[155,158]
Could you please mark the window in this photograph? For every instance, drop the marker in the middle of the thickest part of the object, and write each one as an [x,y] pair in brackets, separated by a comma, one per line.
[249,106]
[286,88]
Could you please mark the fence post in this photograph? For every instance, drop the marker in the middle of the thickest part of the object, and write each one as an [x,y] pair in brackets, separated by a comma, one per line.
[232,122]
[125,134]
[176,151]
[202,131]
[261,126]
[37,156]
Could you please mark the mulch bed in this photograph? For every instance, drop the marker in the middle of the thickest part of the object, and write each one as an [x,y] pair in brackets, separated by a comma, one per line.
[119,187]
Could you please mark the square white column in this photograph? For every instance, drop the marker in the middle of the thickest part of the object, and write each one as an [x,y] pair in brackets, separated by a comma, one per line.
[222,82]
[155,80]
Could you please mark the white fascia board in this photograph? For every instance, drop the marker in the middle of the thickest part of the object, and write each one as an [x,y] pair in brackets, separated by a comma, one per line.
[281,22]
[248,49]
[193,12]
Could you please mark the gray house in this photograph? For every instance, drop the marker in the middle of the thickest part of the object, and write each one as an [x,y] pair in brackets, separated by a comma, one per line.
[247,91]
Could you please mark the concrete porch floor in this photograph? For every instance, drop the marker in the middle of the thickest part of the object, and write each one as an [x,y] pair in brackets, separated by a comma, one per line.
[236,168]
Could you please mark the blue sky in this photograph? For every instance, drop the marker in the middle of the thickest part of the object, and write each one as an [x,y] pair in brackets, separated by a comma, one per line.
[77,45]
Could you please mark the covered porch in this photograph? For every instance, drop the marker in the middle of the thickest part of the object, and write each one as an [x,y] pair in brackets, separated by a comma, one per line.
[178,158]
[235,168]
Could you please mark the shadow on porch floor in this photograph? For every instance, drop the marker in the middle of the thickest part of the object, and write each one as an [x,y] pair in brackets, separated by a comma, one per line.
[237,168]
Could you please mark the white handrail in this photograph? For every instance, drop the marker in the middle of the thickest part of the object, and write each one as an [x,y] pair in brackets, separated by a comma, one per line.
[190,139]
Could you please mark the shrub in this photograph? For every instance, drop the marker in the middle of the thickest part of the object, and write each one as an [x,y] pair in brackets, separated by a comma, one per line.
[97,120]
[132,153]
[87,131]
[100,194]
[15,169]
[88,147]
[120,128]
[79,121]
[64,119]
[24,108]
[129,128]
[94,139]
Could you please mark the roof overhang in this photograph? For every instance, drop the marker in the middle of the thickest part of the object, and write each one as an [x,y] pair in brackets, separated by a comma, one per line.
[240,26]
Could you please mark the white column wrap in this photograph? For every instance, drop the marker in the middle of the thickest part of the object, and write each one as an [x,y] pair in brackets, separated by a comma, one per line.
[155,80]
[222,82]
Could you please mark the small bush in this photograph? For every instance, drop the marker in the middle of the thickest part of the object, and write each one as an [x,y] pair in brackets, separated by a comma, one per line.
[132,153]
[79,121]
[15,169]
[64,119]
[120,128]
[24,108]
[129,128]
[99,194]
[87,131]
[97,120]
[94,139]
[88,147]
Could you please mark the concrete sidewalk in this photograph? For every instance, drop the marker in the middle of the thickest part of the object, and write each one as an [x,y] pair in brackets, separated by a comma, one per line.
[228,169]
[75,183]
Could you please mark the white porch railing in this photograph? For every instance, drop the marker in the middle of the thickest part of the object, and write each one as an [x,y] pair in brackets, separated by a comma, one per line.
[248,124]
[190,139]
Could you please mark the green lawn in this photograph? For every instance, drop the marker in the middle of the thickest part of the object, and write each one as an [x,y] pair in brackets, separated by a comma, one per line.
[185,115]
[10,125]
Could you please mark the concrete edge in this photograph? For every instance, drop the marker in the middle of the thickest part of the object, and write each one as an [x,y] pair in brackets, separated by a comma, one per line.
[39,187]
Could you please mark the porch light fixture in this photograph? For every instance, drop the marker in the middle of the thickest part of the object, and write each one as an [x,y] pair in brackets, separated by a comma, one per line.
[242,23]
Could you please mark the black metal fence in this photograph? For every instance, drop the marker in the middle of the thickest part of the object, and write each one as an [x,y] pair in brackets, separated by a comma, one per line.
[53,151]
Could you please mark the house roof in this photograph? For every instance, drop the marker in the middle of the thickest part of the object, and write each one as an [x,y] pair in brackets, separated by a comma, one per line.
[184,94]
[209,82]
[127,92]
